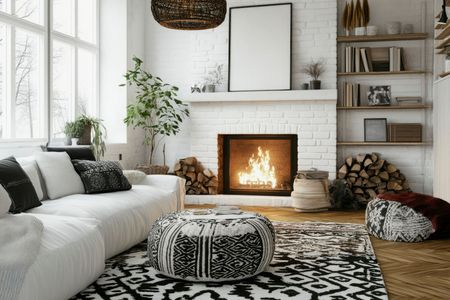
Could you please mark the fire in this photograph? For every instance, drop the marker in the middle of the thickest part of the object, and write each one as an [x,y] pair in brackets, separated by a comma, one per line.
[261,173]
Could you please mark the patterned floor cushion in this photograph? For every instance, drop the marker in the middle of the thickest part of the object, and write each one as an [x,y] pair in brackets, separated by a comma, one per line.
[394,221]
[211,247]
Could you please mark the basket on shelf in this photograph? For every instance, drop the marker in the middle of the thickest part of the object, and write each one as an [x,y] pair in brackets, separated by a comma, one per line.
[153,169]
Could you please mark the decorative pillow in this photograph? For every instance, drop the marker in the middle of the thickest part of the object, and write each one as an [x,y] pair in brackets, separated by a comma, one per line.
[101,176]
[134,176]
[18,185]
[5,201]
[30,166]
[82,153]
[60,177]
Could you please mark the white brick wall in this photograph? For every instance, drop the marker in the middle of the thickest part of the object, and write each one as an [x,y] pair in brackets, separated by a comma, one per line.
[314,122]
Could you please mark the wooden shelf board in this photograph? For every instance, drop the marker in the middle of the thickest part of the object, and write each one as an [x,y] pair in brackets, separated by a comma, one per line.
[380,73]
[383,144]
[396,107]
[445,33]
[444,74]
[382,38]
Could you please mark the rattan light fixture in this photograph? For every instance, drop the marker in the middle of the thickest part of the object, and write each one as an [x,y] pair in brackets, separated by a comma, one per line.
[189,14]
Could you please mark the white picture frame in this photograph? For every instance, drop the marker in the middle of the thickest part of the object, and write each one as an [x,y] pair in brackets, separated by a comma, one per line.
[260,48]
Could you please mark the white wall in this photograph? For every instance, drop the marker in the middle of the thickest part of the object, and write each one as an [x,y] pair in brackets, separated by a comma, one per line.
[184,58]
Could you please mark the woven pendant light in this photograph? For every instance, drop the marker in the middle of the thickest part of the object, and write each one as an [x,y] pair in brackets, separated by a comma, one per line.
[189,14]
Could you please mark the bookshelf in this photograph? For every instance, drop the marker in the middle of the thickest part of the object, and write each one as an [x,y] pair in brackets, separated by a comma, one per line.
[382,38]
[383,144]
[386,107]
[381,73]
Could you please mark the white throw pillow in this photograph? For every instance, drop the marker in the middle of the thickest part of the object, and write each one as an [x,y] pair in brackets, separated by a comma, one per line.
[60,177]
[30,166]
[5,201]
[134,176]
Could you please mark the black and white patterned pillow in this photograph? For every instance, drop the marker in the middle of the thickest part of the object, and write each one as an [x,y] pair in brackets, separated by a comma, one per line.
[101,176]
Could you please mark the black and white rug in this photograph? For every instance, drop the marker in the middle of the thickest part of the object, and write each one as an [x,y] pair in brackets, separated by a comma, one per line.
[312,261]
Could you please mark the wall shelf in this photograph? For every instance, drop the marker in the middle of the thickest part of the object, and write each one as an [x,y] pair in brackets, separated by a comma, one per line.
[384,144]
[382,38]
[385,107]
[380,73]
[445,43]
[444,33]
[444,74]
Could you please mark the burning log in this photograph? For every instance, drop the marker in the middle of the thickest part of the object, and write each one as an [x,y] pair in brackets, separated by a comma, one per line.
[199,181]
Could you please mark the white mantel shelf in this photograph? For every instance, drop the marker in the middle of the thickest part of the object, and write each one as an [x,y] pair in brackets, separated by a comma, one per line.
[300,95]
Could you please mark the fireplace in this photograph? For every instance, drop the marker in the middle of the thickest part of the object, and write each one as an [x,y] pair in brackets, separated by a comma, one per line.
[257,164]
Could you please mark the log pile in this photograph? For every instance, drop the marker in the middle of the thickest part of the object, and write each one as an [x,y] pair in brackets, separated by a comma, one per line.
[368,175]
[199,181]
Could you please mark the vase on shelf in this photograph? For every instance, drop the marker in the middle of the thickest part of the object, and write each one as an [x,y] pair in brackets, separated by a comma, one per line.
[75,141]
[315,84]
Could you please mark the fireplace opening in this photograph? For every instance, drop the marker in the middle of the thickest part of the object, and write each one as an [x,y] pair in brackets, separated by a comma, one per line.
[257,164]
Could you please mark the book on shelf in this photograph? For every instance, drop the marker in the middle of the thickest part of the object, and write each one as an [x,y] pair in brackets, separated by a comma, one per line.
[381,59]
[351,95]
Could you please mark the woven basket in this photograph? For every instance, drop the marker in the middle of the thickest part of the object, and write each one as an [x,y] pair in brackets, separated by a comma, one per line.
[153,169]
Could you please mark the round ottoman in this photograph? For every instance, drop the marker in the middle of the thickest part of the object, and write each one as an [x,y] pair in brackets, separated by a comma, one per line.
[207,246]
[394,221]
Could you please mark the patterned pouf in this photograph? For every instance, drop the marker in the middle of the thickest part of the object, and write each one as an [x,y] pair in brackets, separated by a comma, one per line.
[395,221]
[205,246]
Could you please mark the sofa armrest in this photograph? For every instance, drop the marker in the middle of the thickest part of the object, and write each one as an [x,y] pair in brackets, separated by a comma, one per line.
[172,183]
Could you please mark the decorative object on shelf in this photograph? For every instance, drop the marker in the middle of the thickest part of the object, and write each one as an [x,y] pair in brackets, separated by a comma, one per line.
[356,16]
[347,18]
[368,175]
[157,111]
[189,14]
[314,70]
[366,13]
[93,126]
[410,132]
[311,191]
[260,48]
[195,89]
[379,95]
[393,27]
[215,81]
[375,130]
[73,131]
[408,100]
[408,28]
[372,30]
[444,18]
[305,86]
[358,19]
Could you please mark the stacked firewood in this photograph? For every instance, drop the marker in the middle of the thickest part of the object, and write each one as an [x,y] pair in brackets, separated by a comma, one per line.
[199,181]
[368,175]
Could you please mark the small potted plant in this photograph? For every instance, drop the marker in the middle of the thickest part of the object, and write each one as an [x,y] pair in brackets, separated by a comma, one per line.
[157,111]
[314,70]
[214,82]
[74,130]
[94,134]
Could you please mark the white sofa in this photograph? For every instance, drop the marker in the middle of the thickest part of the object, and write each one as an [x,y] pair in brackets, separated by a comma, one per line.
[81,231]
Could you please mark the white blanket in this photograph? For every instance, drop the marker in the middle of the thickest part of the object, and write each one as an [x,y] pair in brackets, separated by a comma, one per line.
[20,241]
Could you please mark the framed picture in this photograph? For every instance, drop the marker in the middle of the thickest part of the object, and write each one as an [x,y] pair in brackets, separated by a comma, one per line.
[379,95]
[260,42]
[375,130]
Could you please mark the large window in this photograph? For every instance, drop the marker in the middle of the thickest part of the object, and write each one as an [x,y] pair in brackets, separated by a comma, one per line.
[48,65]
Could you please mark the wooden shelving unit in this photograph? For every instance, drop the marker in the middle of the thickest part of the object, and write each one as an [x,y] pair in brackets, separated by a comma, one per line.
[383,144]
[444,74]
[386,107]
[382,38]
[418,72]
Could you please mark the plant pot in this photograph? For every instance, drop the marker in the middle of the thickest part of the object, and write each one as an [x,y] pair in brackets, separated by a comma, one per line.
[85,139]
[209,88]
[75,141]
[360,31]
[153,169]
[315,84]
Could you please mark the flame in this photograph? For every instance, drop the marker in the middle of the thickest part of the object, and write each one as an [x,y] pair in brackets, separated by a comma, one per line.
[261,173]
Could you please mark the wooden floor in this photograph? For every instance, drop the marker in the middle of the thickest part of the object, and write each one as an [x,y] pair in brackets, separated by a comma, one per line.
[410,270]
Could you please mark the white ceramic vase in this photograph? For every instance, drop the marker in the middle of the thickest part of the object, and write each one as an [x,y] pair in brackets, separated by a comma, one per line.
[75,141]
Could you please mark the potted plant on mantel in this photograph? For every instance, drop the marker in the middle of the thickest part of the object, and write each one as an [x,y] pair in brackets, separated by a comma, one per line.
[157,111]
[314,70]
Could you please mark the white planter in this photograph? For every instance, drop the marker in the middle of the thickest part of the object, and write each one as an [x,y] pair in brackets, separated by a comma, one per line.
[372,30]
[360,31]
[75,141]
[394,27]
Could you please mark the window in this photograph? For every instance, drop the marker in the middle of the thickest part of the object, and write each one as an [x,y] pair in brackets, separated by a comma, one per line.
[43,57]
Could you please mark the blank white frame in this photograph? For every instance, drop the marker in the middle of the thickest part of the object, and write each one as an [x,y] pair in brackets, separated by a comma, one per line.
[260,43]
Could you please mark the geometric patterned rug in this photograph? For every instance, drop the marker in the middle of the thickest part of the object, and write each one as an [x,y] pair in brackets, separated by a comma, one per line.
[312,261]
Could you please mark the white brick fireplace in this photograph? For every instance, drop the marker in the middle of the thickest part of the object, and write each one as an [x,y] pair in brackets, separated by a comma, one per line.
[311,115]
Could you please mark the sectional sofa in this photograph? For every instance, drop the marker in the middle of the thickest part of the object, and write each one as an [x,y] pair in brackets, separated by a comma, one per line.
[81,231]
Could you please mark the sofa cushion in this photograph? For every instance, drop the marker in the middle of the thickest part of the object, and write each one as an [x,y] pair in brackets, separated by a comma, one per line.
[72,255]
[125,217]
[101,176]
[30,166]
[83,153]
[5,201]
[18,185]
[60,177]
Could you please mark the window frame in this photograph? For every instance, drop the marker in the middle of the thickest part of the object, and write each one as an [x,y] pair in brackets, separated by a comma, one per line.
[45,30]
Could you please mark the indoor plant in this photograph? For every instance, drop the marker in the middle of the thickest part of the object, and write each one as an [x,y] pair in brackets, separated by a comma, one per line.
[314,70]
[74,130]
[157,111]
[94,133]
[214,82]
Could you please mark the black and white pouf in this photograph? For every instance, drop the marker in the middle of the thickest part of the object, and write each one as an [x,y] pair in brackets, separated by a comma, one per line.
[211,247]
[311,261]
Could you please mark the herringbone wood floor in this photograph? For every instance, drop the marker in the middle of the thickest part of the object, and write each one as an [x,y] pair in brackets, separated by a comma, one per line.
[411,271]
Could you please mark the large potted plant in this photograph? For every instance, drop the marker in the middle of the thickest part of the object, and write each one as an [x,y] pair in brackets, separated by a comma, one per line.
[73,131]
[157,111]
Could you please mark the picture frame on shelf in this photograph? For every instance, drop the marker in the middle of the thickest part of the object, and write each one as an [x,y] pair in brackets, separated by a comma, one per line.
[379,95]
[375,130]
